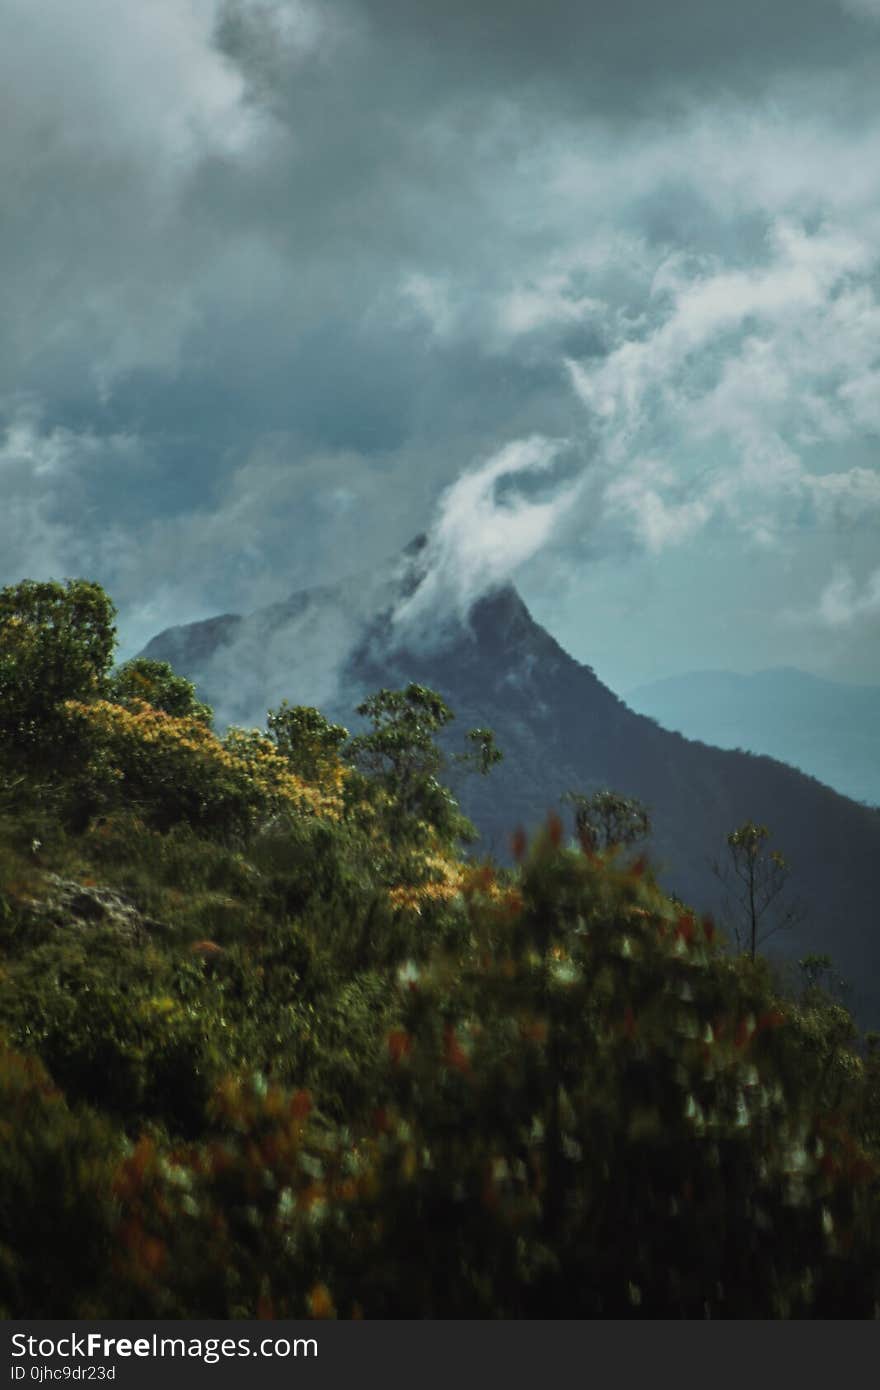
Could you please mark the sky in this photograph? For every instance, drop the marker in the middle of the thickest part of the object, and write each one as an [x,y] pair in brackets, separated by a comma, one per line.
[589,292]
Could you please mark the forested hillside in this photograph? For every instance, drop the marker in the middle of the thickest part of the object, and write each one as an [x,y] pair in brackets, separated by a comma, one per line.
[274,1043]
[562,730]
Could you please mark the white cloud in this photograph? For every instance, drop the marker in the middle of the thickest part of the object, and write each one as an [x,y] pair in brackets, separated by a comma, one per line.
[231,550]
[124,77]
[479,539]
[636,498]
[850,497]
[43,481]
[844,603]
[547,301]
[752,365]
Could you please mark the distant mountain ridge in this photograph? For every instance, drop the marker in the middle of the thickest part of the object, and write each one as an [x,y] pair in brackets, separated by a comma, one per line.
[560,728]
[826,728]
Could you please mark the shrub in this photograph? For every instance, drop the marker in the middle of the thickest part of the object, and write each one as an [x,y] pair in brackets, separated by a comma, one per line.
[56,1215]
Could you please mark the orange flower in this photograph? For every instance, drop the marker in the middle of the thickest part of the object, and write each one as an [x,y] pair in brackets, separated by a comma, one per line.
[534,1031]
[399,1045]
[320,1302]
[205,949]
[306,1199]
[152,1254]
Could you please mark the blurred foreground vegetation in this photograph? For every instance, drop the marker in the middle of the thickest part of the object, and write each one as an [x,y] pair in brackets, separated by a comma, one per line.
[272,1044]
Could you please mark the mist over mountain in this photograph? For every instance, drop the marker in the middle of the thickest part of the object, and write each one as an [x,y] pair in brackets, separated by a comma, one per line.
[560,729]
[826,728]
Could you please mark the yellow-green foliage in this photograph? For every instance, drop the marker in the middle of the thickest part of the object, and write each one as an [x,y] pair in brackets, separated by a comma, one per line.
[179,769]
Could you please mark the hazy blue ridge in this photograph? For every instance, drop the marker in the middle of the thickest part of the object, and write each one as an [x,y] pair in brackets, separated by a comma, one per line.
[826,728]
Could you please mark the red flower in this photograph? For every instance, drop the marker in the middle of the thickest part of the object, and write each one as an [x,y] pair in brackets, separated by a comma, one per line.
[399,1045]
[771,1019]
[300,1104]
[685,928]
[519,844]
[453,1052]
[743,1033]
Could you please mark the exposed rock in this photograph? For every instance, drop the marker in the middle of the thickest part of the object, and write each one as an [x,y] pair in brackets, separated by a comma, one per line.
[78,907]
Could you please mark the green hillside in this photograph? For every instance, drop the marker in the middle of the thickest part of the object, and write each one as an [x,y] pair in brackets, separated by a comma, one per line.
[275,1043]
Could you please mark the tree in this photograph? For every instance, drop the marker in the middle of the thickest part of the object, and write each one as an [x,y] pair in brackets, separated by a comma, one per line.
[606,819]
[756,878]
[816,969]
[56,644]
[155,683]
[401,753]
[308,741]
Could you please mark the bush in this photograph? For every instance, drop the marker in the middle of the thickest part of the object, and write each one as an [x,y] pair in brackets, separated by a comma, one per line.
[56,1215]
[111,1032]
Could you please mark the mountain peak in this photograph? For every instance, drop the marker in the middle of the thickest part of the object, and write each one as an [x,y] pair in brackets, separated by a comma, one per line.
[559,729]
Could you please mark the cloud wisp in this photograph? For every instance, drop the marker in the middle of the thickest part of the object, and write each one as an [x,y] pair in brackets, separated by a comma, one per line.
[843,602]
[486,528]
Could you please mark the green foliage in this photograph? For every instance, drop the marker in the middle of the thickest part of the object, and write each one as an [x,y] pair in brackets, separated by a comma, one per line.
[606,818]
[589,1111]
[56,644]
[155,683]
[308,741]
[109,1031]
[484,753]
[269,1048]
[402,756]
[55,1203]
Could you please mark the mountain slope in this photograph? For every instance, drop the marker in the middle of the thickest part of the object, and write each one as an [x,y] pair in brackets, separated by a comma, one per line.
[560,728]
[827,729]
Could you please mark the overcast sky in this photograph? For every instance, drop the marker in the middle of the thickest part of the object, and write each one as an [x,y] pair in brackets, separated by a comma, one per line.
[589,287]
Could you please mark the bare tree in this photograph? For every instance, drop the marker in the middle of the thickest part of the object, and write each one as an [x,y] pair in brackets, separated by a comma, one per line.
[756,879]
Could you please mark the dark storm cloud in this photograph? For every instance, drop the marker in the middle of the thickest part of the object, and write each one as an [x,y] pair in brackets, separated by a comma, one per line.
[621,55]
[617,56]
[277,273]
